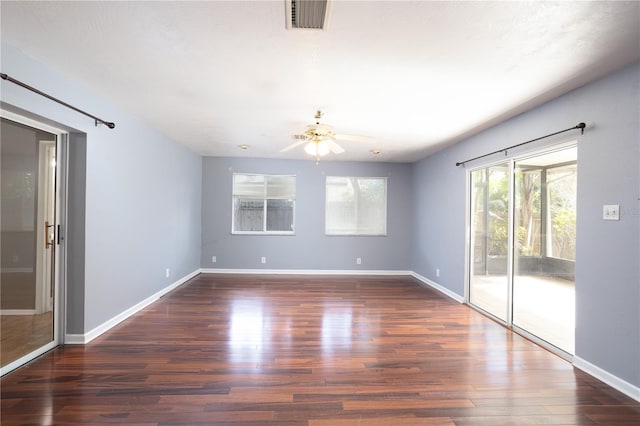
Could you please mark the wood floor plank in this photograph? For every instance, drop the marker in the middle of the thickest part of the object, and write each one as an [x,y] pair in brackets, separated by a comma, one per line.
[308,350]
[396,404]
[384,421]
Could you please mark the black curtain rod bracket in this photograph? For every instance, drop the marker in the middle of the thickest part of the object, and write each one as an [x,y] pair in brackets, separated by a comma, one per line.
[109,124]
[580,126]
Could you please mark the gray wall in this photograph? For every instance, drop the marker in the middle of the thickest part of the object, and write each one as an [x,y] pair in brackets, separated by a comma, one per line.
[309,248]
[75,235]
[608,253]
[143,192]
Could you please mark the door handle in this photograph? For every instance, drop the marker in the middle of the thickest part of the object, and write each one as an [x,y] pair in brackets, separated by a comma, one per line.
[47,242]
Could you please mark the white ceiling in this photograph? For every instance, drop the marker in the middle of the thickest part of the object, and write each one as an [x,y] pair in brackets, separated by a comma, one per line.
[416,76]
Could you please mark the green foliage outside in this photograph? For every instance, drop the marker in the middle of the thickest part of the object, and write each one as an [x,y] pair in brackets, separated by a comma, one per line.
[561,191]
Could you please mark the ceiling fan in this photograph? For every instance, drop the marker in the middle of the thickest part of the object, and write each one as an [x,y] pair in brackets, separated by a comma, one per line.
[320,139]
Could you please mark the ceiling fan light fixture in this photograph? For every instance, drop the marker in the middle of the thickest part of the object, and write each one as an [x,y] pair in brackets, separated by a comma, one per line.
[319,140]
[317,148]
[318,130]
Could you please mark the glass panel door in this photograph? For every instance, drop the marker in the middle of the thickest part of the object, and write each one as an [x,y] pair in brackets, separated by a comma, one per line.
[488,277]
[544,258]
[27,284]
[522,244]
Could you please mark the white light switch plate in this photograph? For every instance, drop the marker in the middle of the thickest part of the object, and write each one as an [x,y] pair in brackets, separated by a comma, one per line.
[611,212]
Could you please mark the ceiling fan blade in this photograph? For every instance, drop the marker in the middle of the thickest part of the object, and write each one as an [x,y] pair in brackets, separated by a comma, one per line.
[294,145]
[355,138]
[334,147]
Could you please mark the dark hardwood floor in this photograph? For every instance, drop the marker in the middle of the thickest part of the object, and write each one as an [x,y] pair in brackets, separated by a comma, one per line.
[300,350]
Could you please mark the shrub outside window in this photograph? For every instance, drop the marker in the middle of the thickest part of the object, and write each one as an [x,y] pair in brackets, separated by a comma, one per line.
[263,204]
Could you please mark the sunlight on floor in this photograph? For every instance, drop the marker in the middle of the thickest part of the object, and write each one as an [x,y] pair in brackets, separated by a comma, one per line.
[543,306]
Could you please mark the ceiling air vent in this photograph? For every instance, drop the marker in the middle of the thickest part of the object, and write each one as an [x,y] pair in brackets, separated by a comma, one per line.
[307,14]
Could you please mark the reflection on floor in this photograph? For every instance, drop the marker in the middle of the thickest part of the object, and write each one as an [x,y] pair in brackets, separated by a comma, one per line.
[543,306]
[22,334]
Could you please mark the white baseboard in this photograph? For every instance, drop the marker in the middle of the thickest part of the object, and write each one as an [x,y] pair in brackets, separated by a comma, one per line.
[81,339]
[438,287]
[74,339]
[304,272]
[615,382]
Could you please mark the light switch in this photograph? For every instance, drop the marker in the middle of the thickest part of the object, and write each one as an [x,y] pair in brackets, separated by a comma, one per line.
[611,212]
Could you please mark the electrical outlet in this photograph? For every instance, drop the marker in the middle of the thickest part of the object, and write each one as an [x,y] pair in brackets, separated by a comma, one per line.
[167,272]
[358,260]
[213,259]
[263,259]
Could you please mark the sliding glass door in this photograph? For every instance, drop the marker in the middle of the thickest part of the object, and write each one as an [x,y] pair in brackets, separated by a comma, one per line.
[28,229]
[522,244]
[489,283]
[544,255]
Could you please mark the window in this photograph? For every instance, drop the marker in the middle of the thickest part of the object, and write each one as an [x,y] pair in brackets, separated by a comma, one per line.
[263,204]
[356,206]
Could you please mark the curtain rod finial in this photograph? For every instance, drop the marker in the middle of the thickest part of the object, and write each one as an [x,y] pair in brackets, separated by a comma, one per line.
[109,124]
[581,126]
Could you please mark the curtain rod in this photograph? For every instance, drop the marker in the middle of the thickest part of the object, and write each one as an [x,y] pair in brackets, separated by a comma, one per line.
[580,126]
[109,124]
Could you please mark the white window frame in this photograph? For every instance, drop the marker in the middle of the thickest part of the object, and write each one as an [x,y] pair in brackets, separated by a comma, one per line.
[264,199]
[357,233]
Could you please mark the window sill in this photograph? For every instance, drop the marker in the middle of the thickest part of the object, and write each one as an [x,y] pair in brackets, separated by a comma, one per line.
[263,233]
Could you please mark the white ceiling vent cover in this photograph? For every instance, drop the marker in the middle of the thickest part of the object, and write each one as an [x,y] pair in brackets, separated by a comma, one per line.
[307,14]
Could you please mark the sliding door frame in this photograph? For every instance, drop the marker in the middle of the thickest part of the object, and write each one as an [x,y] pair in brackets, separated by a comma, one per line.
[511,160]
[59,264]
